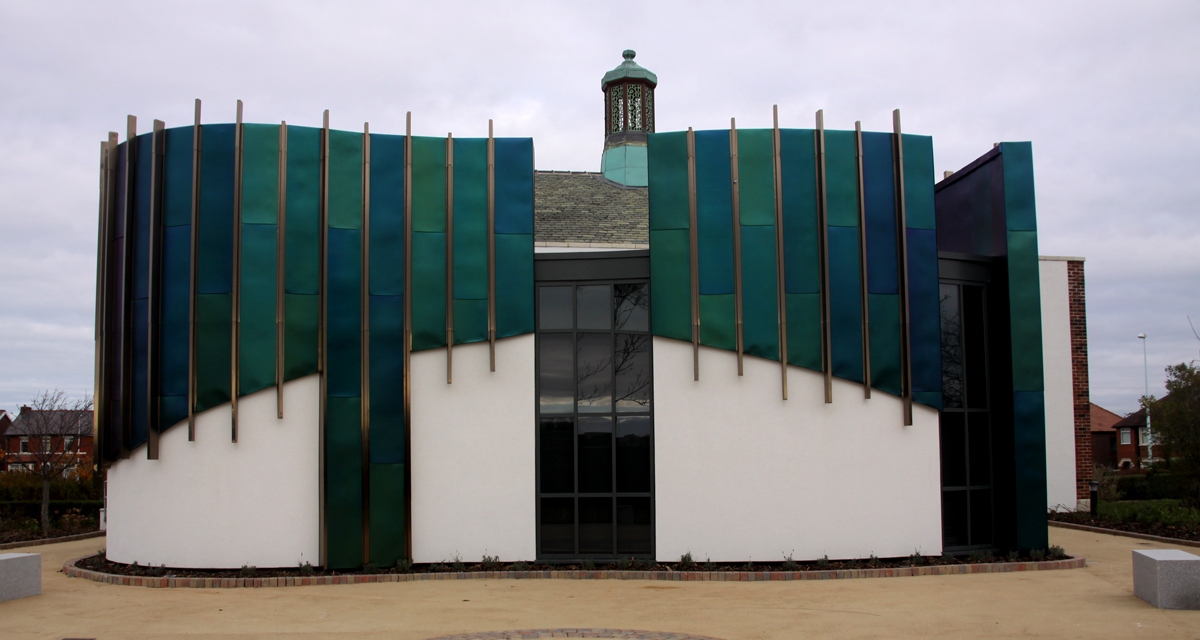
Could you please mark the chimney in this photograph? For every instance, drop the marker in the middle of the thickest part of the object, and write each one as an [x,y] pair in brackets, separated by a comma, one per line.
[25,408]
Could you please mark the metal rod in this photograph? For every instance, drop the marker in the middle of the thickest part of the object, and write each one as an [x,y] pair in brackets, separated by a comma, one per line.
[194,269]
[365,344]
[154,426]
[323,261]
[99,405]
[902,240]
[280,271]
[129,264]
[235,379]
[408,262]
[780,271]
[862,261]
[449,258]
[491,243]
[822,223]
[693,252]
[737,242]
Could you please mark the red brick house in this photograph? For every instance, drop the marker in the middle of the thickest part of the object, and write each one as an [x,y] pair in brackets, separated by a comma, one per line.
[69,432]
[1104,437]
[1131,441]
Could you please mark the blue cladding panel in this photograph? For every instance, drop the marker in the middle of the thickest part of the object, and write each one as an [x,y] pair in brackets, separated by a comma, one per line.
[216,209]
[343,335]
[177,177]
[714,212]
[845,304]
[142,190]
[301,246]
[879,194]
[387,379]
[885,342]
[387,215]
[514,284]
[800,229]
[918,182]
[514,186]
[176,299]
[923,312]
[760,295]
[1029,440]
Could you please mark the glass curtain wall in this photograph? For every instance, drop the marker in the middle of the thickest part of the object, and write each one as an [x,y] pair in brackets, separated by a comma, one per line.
[595,422]
[965,425]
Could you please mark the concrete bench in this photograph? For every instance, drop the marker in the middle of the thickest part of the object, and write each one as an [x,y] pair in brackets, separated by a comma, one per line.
[1167,578]
[20,575]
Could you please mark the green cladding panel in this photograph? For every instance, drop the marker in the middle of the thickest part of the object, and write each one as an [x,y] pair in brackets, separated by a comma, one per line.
[302,266]
[343,482]
[670,243]
[668,193]
[260,212]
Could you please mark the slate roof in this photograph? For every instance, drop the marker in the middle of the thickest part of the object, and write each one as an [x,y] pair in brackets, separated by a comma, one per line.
[579,207]
[71,425]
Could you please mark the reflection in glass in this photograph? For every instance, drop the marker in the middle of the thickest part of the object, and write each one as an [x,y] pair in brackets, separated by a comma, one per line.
[954,518]
[595,454]
[632,307]
[554,308]
[633,454]
[981,516]
[980,449]
[595,307]
[632,363]
[634,531]
[954,450]
[557,384]
[952,347]
[594,372]
[595,525]
[558,525]
[974,347]
[556,437]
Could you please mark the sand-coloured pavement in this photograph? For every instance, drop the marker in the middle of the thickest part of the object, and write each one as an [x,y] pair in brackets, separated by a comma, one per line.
[1096,602]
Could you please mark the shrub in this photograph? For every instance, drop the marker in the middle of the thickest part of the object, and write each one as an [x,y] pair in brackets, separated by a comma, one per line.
[823,562]
[458,563]
[874,562]
[1012,556]
[709,565]
[306,569]
[249,570]
[624,564]
[1056,553]
[490,563]
[370,568]
[520,565]
[789,564]
[686,562]
[1037,555]
[403,564]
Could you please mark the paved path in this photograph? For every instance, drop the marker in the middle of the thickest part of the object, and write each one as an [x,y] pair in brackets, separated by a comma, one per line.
[1096,602]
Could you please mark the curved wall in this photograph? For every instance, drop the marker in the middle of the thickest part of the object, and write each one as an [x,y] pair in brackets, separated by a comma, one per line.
[742,474]
[215,504]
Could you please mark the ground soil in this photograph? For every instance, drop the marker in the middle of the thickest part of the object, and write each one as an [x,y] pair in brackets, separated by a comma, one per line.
[23,535]
[1160,530]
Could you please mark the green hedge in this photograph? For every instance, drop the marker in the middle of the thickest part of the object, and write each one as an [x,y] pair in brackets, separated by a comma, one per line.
[14,509]
[1152,486]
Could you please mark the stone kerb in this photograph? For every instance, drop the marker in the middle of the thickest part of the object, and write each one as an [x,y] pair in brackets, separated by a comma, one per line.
[20,575]
[671,576]
[1167,578]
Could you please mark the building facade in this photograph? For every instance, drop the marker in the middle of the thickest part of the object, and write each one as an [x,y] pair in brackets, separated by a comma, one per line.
[350,347]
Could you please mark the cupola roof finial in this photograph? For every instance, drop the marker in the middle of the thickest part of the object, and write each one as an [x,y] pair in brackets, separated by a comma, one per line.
[629,69]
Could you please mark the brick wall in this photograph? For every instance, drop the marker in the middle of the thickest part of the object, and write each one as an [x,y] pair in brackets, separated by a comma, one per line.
[1077,296]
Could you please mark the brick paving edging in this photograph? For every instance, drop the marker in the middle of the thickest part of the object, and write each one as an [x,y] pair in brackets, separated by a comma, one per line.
[1128,534]
[622,634]
[41,541]
[671,576]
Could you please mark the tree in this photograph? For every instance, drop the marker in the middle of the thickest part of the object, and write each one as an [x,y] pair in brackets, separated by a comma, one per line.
[52,427]
[1176,423]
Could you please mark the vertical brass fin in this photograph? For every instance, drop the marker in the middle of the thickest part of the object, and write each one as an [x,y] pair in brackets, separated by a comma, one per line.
[156,232]
[449,258]
[737,243]
[365,344]
[780,271]
[194,274]
[902,239]
[693,253]
[322,298]
[128,264]
[280,271]
[862,261]
[99,406]
[235,381]
[823,235]
[491,243]
[408,262]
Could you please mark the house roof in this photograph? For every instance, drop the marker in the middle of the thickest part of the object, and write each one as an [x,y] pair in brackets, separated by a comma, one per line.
[60,423]
[1103,419]
[581,207]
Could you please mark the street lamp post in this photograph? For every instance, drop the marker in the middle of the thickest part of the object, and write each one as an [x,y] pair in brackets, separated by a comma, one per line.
[1146,369]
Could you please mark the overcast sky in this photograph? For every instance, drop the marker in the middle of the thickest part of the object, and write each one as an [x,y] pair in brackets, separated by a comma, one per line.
[1108,92]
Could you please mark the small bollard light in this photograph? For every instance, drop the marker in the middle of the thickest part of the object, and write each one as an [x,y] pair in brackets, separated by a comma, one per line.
[1094,488]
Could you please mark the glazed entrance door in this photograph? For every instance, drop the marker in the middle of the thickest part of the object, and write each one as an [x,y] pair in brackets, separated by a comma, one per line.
[595,425]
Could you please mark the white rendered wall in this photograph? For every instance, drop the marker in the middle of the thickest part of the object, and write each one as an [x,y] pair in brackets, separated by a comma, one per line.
[473,468]
[1060,401]
[741,474]
[215,504]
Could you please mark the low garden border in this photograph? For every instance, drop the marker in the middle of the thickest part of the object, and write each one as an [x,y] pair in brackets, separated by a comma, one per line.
[40,541]
[1127,534]
[1075,562]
